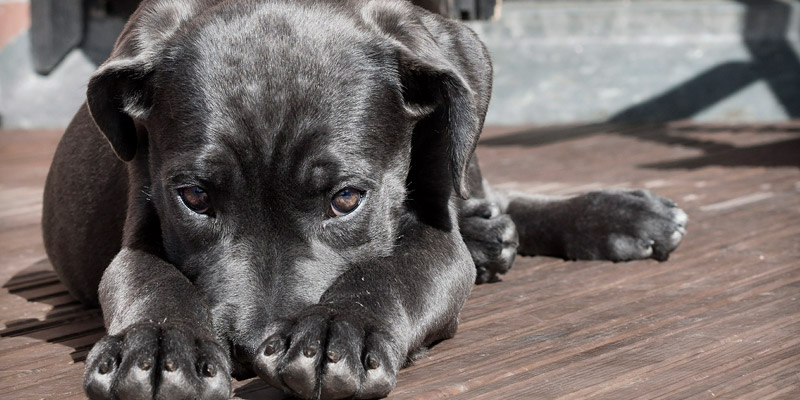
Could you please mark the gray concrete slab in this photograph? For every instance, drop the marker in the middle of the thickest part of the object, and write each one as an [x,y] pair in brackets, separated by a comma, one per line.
[567,61]
[30,100]
[588,61]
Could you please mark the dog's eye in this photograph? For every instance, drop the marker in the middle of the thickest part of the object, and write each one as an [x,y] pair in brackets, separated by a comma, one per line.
[345,201]
[196,198]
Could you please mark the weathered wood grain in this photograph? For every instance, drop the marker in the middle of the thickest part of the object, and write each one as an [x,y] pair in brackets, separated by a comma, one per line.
[720,319]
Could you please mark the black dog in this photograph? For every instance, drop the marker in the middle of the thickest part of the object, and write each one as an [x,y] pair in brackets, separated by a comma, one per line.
[284,198]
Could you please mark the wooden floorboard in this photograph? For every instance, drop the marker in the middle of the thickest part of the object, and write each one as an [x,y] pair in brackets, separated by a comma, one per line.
[720,319]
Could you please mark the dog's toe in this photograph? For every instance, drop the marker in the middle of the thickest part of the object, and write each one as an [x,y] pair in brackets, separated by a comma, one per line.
[101,367]
[339,381]
[680,217]
[675,238]
[633,225]
[332,354]
[343,368]
[674,231]
[380,369]
[269,357]
[150,361]
[300,375]
[137,367]
[625,248]
[478,208]
[299,371]
[492,243]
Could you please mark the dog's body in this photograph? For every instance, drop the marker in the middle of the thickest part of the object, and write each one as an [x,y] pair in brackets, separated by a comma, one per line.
[282,196]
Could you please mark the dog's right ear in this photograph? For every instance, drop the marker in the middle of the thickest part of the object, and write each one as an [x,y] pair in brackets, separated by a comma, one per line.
[119,92]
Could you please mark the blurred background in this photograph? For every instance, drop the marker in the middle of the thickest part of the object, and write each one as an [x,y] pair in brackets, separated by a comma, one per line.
[556,62]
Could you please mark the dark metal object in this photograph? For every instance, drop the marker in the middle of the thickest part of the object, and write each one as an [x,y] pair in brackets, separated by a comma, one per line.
[461,9]
[57,27]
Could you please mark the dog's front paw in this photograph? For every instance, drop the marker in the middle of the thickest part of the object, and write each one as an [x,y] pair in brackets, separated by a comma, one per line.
[622,225]
[157,361]
[329,352]
[491,238]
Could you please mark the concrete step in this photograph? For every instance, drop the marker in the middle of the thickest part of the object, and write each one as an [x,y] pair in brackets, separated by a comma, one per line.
[643,60]
[566,61]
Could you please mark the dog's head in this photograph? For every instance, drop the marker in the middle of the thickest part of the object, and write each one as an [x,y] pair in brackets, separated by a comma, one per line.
[275,145]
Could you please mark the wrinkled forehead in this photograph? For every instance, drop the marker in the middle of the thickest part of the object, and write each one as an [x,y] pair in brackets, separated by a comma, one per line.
[278,83]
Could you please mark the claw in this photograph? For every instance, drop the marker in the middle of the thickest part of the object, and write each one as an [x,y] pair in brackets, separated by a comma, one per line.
[104,367]
[209,370]
[129,367]
[272,346]
[372,361]
[310,351]
[333,357]
[145,365]
[676,237]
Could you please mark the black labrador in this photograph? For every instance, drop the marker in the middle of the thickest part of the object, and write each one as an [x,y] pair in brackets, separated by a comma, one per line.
[277,187]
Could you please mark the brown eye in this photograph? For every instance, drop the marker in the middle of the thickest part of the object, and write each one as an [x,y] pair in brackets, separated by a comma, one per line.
[196,199]
[345,201]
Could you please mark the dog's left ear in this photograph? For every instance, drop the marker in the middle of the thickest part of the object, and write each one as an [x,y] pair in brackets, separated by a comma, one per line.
[446,79]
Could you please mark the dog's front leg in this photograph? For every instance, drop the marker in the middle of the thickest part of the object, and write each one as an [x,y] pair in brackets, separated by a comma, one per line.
[160,342]
[354,341]
[617,225]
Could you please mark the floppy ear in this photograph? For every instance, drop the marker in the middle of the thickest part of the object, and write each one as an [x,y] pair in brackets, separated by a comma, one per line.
[446,77]
[122,89]
[450,123]
[117,93]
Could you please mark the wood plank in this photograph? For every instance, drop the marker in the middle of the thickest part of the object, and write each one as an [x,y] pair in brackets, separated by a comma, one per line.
[719,319]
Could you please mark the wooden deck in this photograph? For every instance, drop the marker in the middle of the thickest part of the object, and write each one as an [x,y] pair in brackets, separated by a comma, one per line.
[720,319]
